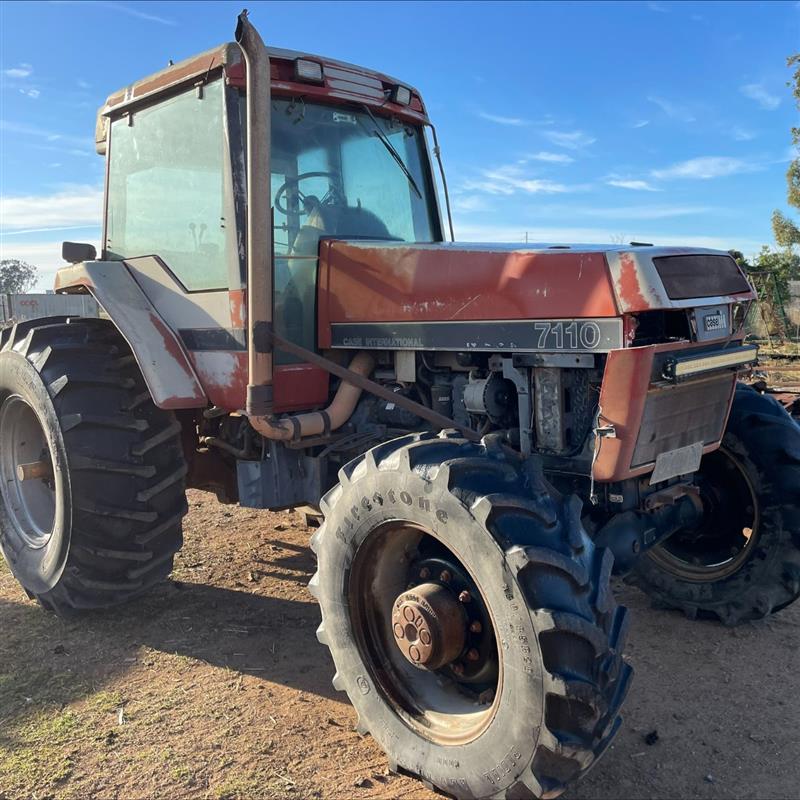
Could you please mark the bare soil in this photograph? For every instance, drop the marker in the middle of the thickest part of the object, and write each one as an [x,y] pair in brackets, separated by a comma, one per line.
[214,686]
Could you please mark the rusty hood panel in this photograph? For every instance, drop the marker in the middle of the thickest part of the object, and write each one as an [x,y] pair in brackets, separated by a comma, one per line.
[395,282]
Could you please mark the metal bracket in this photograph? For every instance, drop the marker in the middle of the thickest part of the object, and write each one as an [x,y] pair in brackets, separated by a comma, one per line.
[522,382]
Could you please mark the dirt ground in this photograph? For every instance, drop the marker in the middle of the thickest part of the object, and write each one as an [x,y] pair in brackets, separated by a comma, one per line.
[214,686]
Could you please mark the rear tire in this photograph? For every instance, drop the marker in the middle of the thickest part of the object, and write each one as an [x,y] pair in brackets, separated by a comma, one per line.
[550,708]
[114,493]
[726,573]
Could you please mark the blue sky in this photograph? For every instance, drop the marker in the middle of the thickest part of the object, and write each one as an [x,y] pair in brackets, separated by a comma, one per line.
[655,121]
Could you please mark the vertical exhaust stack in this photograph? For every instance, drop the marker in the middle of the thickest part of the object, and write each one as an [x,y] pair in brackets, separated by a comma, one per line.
[259,221]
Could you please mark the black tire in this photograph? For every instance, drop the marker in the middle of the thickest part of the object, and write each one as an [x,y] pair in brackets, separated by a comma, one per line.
[119,494]
[762,443]
[558,629]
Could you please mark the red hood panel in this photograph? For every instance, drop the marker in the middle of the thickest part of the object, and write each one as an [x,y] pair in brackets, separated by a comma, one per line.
[376,282]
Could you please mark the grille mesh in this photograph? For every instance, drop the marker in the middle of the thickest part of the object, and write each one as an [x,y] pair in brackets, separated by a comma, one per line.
[679,415]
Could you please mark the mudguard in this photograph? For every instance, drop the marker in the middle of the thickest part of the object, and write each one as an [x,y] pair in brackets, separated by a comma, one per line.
[165,365]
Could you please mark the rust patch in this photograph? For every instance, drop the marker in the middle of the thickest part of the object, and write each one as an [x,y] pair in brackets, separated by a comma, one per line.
[630,290]
[238,304]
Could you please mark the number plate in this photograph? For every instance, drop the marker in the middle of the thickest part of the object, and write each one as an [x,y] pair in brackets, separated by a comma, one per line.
[681,461]
[715,322]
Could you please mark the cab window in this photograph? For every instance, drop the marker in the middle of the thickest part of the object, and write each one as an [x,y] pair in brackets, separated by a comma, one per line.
[166,194]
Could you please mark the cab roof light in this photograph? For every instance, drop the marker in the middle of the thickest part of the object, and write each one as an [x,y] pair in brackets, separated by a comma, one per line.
[308,71]
[401,95]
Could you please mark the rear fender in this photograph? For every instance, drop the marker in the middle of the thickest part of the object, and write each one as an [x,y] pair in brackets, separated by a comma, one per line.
[166,367]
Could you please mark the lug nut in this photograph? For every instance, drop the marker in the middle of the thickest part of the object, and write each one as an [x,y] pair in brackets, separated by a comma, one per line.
[424,573]
[465,596]
[473,654]
[458,669]
[475,627]
[445,576]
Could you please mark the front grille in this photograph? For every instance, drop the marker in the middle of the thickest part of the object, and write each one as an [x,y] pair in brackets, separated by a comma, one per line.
[685,277]
[680,415]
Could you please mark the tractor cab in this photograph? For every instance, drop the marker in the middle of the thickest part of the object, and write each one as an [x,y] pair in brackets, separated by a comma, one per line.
[348,160]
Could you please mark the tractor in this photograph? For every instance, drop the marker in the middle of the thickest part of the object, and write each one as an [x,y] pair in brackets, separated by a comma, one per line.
[485,433]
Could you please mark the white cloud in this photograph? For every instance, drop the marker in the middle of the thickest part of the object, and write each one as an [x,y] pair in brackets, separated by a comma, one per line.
[572,235]
[550,158]
[759,93]
[659,8]
[119,8]
[515,121]
[638,185]
[72,206]
[509,180]
[741,134]
[705,167]
[20,71]
[641,212]
[45,255]
[571,140]
[32,131]
[470,203]
[672,109]
[641,123]
[33,93]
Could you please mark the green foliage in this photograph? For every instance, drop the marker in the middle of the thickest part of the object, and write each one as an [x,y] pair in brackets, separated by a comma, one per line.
[738,257]
[786,230]
[783,263]
[16,277]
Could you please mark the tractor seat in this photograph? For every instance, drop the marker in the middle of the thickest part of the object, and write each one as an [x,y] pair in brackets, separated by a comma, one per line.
[338,221]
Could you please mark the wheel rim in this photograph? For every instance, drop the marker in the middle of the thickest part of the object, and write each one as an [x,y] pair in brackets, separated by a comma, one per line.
[724,540]
[425,633]
[26,473]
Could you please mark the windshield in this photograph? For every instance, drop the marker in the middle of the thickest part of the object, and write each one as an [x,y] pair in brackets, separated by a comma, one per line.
[346,174]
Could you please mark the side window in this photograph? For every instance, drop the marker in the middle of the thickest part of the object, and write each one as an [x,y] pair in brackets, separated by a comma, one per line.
[166,187]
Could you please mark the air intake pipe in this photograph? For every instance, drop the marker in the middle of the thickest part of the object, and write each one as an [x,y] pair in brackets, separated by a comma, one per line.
[259,221]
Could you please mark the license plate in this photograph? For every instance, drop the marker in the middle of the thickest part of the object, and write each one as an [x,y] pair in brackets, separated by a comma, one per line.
[677,462]
[715,322]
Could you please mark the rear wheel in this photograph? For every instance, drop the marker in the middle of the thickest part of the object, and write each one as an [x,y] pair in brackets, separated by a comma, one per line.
[91,472]
[743,561]
[470,618]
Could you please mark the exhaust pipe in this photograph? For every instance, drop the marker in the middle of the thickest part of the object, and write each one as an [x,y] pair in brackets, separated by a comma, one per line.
[259,221]
[259,405]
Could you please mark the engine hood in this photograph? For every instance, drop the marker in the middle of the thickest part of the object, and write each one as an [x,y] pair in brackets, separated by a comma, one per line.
[394,282]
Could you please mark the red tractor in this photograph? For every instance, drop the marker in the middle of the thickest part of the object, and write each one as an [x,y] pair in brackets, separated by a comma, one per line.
[490,432]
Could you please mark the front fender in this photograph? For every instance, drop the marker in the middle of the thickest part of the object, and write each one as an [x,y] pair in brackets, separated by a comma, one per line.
[165,366]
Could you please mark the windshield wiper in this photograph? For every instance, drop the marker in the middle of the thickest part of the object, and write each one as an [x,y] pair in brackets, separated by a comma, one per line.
[392,152]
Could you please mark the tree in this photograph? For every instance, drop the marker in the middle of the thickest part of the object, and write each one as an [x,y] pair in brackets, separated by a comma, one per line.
[786,231]
[739,257]
[784,264]
[16,277]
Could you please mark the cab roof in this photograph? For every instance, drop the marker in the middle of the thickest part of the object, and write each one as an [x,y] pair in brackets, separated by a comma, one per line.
[342,82]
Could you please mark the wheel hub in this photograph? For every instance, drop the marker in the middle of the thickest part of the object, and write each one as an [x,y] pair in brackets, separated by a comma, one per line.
[429,625]
[27,488]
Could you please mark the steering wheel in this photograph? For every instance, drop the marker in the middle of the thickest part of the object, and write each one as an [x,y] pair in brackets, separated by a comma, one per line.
[332,196]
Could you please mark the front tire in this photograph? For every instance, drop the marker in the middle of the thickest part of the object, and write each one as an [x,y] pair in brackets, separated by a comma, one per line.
[96,520]
[508,598]
[743,561]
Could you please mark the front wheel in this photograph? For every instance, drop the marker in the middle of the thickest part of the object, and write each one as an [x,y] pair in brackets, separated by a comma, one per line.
[470,618]
[743,560]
